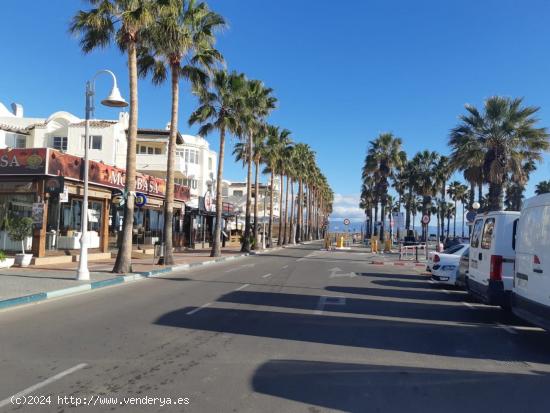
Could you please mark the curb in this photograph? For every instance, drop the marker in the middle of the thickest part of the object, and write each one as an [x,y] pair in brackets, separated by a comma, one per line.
[401,264]
[120,279]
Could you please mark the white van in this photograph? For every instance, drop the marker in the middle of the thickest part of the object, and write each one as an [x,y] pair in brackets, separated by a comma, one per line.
[531,295]
[492,256]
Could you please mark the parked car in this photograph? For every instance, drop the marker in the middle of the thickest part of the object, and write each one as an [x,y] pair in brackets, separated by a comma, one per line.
[463,269]
[432,237]
[434,256]
[531,293]
[492,257]
[445,271]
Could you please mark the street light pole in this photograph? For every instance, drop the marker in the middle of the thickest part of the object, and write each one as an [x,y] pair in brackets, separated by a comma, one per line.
[113,100]
[263,235]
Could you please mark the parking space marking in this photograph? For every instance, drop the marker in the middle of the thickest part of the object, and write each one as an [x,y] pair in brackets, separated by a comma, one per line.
[242,287]
[470,306]
[509,329]
[198,308]
[328,300]
[43,383]
[266,275]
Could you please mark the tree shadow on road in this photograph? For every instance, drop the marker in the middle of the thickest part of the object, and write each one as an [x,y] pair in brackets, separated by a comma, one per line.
[393,276]
[437,295]
[372,388]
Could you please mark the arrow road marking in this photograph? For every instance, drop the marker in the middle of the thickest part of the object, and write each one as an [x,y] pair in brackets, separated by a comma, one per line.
[334,273]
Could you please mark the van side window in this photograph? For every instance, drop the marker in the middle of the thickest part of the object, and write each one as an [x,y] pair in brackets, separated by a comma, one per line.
[476,233]
[487,237]
[514,232]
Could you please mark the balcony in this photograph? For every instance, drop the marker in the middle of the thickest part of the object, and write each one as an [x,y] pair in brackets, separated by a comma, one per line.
[157,163]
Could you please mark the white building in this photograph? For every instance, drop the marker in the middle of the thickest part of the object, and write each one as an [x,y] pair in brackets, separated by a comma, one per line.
[65,132]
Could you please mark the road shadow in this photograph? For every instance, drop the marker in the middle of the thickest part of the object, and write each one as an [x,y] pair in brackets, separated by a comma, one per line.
[373,307]
[404,284]
[464,341]
[353,387]
[437,295]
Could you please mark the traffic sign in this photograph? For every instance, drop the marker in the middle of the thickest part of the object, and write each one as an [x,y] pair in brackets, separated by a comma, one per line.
[347,221]
[426,219]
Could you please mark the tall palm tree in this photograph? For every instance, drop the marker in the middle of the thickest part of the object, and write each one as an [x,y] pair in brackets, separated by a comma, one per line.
[282,163]
[289,170]
[516,186]
[220,109]
[543,187]
[258,103]
[507,134]
[303,162]
[425,167]
[457,192]
[272,153]
[384,157]
[122,22]
[180,44]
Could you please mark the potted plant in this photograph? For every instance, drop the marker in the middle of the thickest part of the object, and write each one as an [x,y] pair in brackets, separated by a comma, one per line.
[20,228]
[5,261]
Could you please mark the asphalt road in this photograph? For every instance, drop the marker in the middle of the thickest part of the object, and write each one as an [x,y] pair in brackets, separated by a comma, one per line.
[298,330]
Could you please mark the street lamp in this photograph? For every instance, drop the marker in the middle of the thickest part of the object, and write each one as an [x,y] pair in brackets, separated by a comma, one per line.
[114,100]
[476,205]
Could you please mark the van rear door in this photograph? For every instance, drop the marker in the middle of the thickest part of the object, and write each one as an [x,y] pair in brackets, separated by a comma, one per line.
[475,251]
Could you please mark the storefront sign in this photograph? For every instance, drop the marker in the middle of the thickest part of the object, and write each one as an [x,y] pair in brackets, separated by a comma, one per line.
[141,199]
[64,196]
[23,161]
[38,214]
[70,167]
[208,205]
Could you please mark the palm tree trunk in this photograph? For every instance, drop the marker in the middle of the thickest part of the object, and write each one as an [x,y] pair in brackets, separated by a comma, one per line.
[256,195]
[382,218]
[454,223]
[479,192]
[123,263]
[246,238]
[472,193]
[285,234]
[463,217]
[495,197]
[169,203]
[270,229]
[300,211]
[280,233]
[216,246]
[292,238]
[375,226]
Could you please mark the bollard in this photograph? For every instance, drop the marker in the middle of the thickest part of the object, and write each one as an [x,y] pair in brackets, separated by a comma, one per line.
[416,250]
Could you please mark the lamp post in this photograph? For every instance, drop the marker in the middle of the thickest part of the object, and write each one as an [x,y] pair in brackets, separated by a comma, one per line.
[114,100]
[263,233]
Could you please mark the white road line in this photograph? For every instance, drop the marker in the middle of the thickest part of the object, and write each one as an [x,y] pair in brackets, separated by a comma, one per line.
[468,305]
[199,308]
[446,291]
[266,275]
[320,305]
[285,266]
[44,383]
[507,328]
[242,287]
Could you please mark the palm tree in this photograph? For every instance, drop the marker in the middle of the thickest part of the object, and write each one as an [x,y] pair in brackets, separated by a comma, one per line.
[258,103]
[457,192]
[284,144]
[289,170]
[543,187]
[366,202]
[220,109]
[122,22]
[425,167]
[384,157]
[506,133]
[181,42]
[449,209]
[303,162]
[516,186]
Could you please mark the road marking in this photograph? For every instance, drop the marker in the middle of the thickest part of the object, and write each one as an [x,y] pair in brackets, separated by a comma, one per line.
[328,300]
[199,308]
[468,305]
[334,273]
[242,287]
[44,383]
[320,305]
[240,267]
[446,291]
[266,275]
[285,266]
[507,328]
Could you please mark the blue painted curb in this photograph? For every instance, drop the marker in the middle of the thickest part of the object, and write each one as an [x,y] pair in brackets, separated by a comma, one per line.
[26,299]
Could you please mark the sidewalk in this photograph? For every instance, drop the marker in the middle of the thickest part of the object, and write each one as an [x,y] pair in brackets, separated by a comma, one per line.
[388,258]
[18,282]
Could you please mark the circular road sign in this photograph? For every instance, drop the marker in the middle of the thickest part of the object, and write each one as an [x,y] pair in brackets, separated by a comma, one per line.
[470,216]
[426,219]
[141,200]
[347,221]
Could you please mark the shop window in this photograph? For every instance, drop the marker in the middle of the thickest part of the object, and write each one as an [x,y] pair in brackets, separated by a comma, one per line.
[150,150]
[157,151]
[237,193]
[60,143]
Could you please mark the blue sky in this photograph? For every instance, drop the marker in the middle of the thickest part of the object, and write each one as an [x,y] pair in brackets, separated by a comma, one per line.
[343,71]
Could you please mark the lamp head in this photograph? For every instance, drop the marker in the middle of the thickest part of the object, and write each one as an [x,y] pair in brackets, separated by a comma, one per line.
[115,99]
[476,206]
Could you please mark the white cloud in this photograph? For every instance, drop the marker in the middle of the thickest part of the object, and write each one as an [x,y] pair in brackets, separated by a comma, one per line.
[346,206]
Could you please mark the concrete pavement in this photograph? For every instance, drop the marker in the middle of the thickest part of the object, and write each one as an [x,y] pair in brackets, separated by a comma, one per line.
[296,330]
